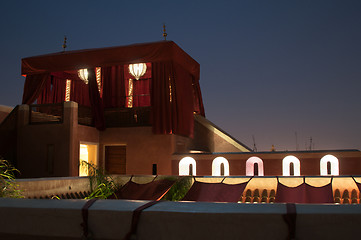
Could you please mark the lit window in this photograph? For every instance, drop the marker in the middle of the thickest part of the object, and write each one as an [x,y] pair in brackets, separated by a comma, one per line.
[252,164]
[333,162]
[67,90]
[217,166]
[184,166]
[98,78]
[286,166]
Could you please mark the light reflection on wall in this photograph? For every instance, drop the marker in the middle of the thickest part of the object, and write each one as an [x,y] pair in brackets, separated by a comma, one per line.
[216,166]
[286,164]
[184,166]
[250,163]
[334,165]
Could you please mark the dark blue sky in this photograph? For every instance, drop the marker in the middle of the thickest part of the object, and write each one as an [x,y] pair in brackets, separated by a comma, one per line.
[268,68]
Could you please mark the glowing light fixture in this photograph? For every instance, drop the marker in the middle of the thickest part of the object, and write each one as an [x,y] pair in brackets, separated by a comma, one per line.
[83,75]
[184,166]
[216,166]
[137,70]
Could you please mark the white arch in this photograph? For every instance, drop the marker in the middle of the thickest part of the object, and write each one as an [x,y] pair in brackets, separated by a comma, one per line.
[216,166]
[250,166]
[286,162]
[334,165]
[184,166]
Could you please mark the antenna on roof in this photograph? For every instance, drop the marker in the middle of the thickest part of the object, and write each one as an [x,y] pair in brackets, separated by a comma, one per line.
[164,33]
[64,44]
[254,144]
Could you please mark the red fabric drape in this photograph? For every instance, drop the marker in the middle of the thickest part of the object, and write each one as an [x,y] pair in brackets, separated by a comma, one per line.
[80,92]
[33,86]
[95,101]
[171,113]
[161,106]
[113,86]
[149,191]
[215,192]
[198,101]
[53,91]
[304,193]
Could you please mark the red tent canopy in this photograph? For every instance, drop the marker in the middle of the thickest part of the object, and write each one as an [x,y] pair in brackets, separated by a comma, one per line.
[172,70]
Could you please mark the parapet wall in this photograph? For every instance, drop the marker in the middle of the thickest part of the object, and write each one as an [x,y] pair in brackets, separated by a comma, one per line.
[111,219]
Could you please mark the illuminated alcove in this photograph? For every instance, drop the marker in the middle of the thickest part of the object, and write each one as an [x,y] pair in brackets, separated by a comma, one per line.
[289,163]
[254,166]
[87,155]
[187,166]
[219,164]
[329,165]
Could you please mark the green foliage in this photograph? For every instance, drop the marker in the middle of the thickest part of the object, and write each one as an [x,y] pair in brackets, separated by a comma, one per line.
[8,186]
[102,185]
[179,189]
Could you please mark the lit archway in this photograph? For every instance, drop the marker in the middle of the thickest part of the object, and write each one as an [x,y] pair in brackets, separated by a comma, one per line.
[184,166]
[333,161]
[216,166]
[250,166]
[286,166]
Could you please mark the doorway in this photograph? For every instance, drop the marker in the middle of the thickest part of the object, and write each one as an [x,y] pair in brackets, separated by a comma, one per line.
[115,159]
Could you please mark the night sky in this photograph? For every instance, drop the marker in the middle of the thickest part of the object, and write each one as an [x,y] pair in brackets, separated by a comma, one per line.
[269,69]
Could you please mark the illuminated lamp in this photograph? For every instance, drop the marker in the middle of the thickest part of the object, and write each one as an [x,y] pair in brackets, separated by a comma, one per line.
[137,70]
[83,75]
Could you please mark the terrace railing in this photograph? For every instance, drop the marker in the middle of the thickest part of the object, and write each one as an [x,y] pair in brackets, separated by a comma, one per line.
[46,113]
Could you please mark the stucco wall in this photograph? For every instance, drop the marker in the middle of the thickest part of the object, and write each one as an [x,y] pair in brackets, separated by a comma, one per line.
[143,148]
[349,162]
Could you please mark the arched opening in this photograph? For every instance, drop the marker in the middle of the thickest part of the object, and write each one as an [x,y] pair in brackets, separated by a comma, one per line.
[222,169]
[291,166]
[254,167]
[187,166]
[255,171]
[328,168]
[292,169]
[217,164]
[329,165]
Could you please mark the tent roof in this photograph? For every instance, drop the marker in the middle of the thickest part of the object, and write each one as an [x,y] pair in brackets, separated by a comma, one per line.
[101,57]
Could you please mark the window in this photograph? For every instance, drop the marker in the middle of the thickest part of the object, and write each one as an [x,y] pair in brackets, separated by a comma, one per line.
[329,165]
[217,167]
[291,165]
[254,167]
[187,166]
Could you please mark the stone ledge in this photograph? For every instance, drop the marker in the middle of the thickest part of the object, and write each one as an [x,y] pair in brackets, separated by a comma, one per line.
[111,219]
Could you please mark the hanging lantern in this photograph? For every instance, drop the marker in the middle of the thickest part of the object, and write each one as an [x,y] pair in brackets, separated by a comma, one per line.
[137,70]
[83,75]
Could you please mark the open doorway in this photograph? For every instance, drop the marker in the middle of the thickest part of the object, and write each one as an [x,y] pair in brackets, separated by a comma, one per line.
[88,154]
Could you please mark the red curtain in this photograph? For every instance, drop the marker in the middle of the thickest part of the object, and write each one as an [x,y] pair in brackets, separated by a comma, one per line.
[79,92]
[172,112]
[198,101]
[304,193]
[53,91]
[215,192]
[154,190]
[113,86]
[95,101]
[161,106]
[33,86]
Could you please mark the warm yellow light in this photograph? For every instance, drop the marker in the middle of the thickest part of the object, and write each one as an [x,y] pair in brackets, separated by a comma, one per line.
[83,157]
[137,70]
[83,75]
[67,90]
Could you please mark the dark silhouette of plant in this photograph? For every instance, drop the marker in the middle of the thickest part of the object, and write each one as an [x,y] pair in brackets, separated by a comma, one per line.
[179,189]
[8,187]
[102,184]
